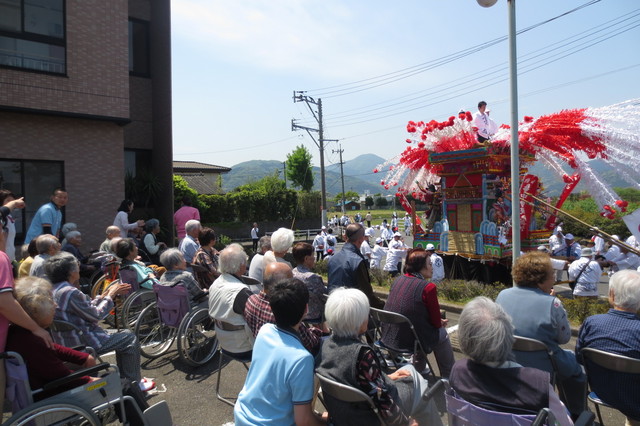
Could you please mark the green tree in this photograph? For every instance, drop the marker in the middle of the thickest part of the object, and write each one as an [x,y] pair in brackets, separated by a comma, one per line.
[348,196]
[299,169]
[368,202]
[381,202]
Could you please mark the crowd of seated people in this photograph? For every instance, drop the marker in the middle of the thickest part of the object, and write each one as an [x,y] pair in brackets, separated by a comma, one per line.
[248,317]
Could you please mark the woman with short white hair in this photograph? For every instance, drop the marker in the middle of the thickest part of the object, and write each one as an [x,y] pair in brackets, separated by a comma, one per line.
[344,358]
[490,379]
[281,242]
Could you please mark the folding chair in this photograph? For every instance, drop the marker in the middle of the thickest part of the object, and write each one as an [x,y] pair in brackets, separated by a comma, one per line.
[463,413]
[609,361]
[334,393]
[546,361]
[224,355]
[381,317]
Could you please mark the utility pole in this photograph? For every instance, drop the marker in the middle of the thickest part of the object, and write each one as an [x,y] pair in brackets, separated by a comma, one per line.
[299,96]
[340,151]
[284,173]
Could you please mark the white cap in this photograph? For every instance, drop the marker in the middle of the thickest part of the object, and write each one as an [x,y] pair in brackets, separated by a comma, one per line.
[586,252]
[397,234]
[568,237]
[368,232]
[378,240]
[324,227]
[430,247]
[543,249]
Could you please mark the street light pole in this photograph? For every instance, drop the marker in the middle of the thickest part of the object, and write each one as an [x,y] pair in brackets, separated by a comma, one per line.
[515,150]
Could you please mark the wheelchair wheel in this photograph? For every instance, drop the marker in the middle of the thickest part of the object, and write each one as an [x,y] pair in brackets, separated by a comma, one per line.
[197,341]
[155,338]
[98,286]
[54,412]
[133,306]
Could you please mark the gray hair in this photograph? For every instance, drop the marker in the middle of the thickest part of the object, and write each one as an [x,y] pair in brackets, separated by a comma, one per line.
[264,244]
[45,242]
[485,331]
[171,258]
[192,225]
[59,267]
[625,287]
[232,258]
[68,227]
[281,240]
[151,224]
[73,234]
[35,295]
[345,311]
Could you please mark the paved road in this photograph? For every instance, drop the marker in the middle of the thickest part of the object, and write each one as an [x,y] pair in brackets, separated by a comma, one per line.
[190,392]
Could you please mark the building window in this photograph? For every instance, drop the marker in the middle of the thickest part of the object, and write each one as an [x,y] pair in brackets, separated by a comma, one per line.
[33,180]
[139,47]
[32,35]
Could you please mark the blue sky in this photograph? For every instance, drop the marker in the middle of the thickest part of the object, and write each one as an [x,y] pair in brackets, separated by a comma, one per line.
[236,64]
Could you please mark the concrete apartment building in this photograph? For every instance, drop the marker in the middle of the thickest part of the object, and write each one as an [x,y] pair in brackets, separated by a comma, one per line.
[85,97]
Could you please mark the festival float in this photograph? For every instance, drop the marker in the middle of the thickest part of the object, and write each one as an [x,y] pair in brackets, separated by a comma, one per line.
[467,184]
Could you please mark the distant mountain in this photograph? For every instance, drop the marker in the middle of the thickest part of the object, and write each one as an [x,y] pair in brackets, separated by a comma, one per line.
[554,186]
[358,175]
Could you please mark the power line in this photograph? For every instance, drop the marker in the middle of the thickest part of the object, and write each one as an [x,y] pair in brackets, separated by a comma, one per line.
[486,81]
[488,71]
[377,81]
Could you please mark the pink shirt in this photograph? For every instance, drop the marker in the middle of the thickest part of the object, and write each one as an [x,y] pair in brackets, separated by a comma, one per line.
[182,216]
[6,284]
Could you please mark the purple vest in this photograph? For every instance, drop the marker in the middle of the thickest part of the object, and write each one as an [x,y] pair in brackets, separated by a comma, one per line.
[520,390]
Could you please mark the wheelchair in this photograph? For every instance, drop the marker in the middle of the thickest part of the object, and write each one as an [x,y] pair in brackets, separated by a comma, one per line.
[170,318]
[128,308]
[90,404]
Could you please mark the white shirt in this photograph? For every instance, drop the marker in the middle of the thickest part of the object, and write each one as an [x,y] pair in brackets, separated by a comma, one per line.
[395,255]
[612,253]
[438,268]
[599,244]
[626,261]
[365,249]
[556,243]
[587,283]
[254,233]
[330,238]
[386,234]
[481,121]
[318,243]
[377,253]
[122,222]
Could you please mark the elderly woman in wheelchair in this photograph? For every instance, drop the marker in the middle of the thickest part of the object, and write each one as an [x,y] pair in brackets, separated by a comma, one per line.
[345,358]
[177,273]
[76,308]
[43,364]
[127,250]
[44,390]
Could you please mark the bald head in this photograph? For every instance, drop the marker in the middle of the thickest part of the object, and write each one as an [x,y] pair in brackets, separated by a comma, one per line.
[274,273]
[355,233]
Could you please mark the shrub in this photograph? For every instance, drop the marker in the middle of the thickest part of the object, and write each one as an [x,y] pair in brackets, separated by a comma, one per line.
[222,242]
[580,308]
[380,277]
[461,291]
